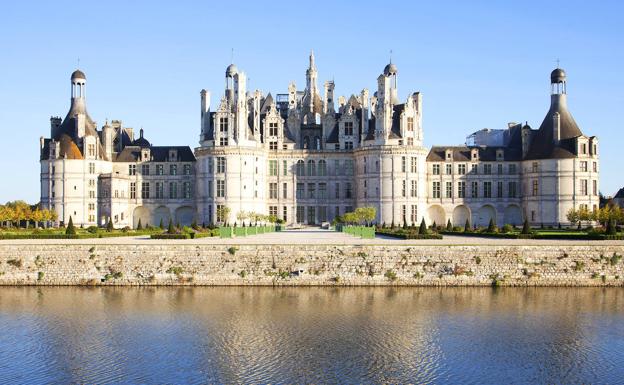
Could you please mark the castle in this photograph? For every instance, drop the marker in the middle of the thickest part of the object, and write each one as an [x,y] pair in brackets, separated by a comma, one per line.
[306,159]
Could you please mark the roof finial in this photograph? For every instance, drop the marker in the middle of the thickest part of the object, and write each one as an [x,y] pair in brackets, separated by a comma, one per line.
[391,56]
[557,62]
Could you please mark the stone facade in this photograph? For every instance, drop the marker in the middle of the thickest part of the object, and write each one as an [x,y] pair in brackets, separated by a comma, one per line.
[306,159]
[184,264]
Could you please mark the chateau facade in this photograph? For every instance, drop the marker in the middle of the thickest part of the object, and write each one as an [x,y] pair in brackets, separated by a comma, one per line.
[306,159]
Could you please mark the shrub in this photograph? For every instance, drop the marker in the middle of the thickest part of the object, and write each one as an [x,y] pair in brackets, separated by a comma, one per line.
[243,274]
[423,227]
[71,230]
[109,225]
[169,236]
[492,226]
[449,226]
[232,250]
[170,228]
[40,275]
[92,229]
[391,275]
[467,228]
[161,224]
[614,259]
[15,262]
[507,229]
[177,270]
[139,225]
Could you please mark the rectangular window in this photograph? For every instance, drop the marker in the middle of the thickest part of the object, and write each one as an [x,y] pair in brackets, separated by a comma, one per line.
[410,141]
[595,167]
[285,213]
[322,193]
[311,190]
[92,194]
[173,169]
[322,214]
[449,189]
[461,189]
[414,214]
[403,188]
[299,190]
[348,128]
[187,190]
[132,169]
[512,193]
[487,169]
[220,217]
[337,169]
[273,211]
[173,190]
[583,186]
[159,169]
[285,190]
[436,169]
[223,124]
[160,194]
[210,189]
[311,214]
[348,145]
[145,169]
[474,189]
[349,167]
[132,190]
[91,149]
[403,164]
[500,169]
[534,167]
[273,145]
[535,189]
[187,169]
[499,190]
[595,187]
[273,129]
[512,169]
[410,124]
[221,165]
[220,188]
[91,168]
[436,189]
[337,190]
[487,189]
[285,167]
[145,190]
[449,169]
[223,141]
[584,166]
[461,169]
[414,189]
[413,164]
[403,213]
[272,190]
[273,168]
[348,190]
[474,169]
[300,214]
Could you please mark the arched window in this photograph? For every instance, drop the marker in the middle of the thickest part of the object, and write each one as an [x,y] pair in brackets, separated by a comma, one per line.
[311,168]
[322,168]
[317,143]
[300,168]
[306,142]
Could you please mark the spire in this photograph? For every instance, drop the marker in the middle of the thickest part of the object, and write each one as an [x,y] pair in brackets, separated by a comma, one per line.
[312,65]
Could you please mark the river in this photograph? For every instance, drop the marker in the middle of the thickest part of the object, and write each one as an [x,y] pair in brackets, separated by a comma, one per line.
[198,335]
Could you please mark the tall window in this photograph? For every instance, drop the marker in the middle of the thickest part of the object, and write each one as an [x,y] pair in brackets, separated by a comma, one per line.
[500,169]
[220,217]
[436,169]
[223,125]
[187,169]
[449,169]
[337,169]
[322,190]
[349,167]
[348,145]
[487,169]
[188,194]
[160,190]
[414,189]
[583,186]
[461,189]
[145,190]
[322,167]
[91,149]
[535,189]
[300,169]
[145,169]
[337,190]
[285,213]
[474,170]
[272,190]
[499,190]
[534,166]
[487,189]
[512,192]
[403,164]
[461,169]
[512,169]
[273,211]
[311,168]
[348,190]
[173,169]
[273,129]
[595,187]
[410,124]
[584,166]
[285,190]
[436,189]
[159,169]
[132,190]
[414,164]
[91,168]
[311,190]
[348,128]
[132,169]
[449,189]
[300,214]
[414,214]
[403,188]
[173,190]
[220,165]
[475,190]
[220,188]
[300,190]
[285,167]
[273,168]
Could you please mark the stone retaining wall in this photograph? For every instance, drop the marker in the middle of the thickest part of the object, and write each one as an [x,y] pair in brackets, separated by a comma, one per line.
[114,264]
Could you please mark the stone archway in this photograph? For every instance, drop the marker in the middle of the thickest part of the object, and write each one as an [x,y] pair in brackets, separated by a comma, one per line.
[140,213]
[513,215]
[162,213]
[484,214]
[461,213]
[436,214]
[184,215]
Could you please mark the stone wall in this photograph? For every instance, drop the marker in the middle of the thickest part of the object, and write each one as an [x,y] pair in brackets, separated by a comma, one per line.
[171,264]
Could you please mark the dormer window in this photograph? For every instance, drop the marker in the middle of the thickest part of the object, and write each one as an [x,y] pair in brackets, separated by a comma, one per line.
[348,128]
[273,129]
[449,155]
[475,154]
[173,155]
[499,154]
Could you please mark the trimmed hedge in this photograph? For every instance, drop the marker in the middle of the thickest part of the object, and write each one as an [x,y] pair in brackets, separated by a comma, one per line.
[170,236]
[44,235]
[366,232]
[402,234]
[553,236]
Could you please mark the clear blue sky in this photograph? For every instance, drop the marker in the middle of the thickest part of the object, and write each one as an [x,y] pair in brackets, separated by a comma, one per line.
[478,64]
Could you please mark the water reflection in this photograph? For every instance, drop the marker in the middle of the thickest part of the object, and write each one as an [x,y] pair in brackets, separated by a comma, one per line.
[286,335]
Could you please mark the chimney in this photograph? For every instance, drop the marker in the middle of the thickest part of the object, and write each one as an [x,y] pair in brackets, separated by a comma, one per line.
[556,128]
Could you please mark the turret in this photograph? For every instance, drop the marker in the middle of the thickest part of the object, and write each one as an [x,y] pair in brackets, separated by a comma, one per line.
[328,105]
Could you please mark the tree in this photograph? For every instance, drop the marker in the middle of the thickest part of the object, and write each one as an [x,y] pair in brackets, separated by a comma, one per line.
[449,226]
[423,227]
[162,224]
[573,216]
[491,226]
[71,230]
[467,226]
[526,229]
[140,226]
[37,216]
[242,216]
[170,228]
[109,225]
[223,213]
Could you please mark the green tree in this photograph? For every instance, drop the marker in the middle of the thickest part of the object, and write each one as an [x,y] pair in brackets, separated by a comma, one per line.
[467,226]
[70,230]
[491,226]
[109,225]
[162,224]
[449,226]
[170,228]
[423,227]
[139,225]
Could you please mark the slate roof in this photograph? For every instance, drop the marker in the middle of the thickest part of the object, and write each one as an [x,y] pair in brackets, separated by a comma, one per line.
[158,154]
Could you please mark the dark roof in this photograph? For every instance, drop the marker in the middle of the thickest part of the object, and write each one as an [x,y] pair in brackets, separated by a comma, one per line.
[158,154]
[141,141]
[463,153]
[68,148]
[557,76]
[78,74]
[543,145]
[370,135]
[620,193]
[333,135]
[395,131]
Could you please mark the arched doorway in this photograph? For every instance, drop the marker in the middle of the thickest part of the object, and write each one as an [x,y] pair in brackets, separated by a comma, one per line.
[436,214]
[484,215]
[184,215]
[513,215]
[163,214]
[461,213]
[140,213]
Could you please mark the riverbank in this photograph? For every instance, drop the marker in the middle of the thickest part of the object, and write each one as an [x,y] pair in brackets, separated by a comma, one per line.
[312,258]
